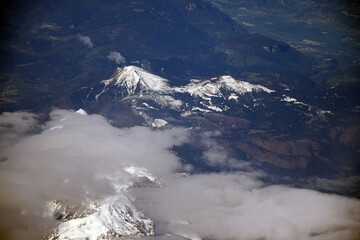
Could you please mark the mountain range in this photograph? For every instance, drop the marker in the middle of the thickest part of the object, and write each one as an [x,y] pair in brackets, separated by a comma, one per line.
[43,52]
[276,127]
[266,82]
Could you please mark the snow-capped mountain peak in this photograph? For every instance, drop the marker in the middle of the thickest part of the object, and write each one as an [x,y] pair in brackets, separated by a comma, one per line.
[108,218]
[204,89]
[132,77]
[240,87]
[148,92]
[215,87]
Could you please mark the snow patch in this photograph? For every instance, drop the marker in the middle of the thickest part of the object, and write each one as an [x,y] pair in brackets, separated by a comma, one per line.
[172,102]
[292,100]
[217,109]
[158,123]
[199,109]
[233,96]
[81,111]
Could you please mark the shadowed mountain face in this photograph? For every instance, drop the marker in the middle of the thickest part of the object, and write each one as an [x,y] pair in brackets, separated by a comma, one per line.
[50,46]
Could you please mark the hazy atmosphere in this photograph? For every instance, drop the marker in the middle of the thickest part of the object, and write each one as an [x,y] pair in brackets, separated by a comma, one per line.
[180,119]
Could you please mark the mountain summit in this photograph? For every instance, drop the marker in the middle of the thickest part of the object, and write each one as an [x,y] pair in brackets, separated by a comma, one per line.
[134,79]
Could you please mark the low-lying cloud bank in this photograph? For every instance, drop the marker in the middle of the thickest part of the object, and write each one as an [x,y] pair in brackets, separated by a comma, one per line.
[77,157]
[235,206]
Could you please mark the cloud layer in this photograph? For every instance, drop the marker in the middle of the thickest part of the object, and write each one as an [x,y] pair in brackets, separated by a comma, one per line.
[236,206]
[77,157]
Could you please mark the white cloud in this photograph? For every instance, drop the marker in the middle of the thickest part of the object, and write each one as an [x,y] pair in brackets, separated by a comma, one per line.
[116,57]
[238,205]
[79,157]
[216,156]
[235,206]
[76,157]
[85,40]
[16,125]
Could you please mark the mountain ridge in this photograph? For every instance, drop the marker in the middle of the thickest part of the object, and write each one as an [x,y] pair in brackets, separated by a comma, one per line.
[251,116]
